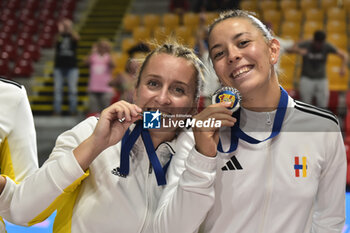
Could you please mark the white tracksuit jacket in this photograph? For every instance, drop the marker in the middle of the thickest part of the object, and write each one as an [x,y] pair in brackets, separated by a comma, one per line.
[97,201]
[18,150]
[293,183]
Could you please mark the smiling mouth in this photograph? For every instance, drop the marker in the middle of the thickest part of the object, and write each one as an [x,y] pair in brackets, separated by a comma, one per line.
[243,70]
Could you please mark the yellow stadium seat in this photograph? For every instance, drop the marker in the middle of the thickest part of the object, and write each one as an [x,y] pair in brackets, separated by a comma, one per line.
[335,26]
[120,60]
[170,20]
[346,5]
[210,17]
[130,21]
[183,33]
[273,16]
[191,42]
[151,21]
[336,13]
[288,4]
[141,33]
[314,14]
[334,60]
[161,33]
[308,4]
[337,82]
[267,5]
[326,4]
[339,40]
[191,20]
[287,71]
[310,27]
[127,43]
[293,15]
[249,5]
[290,30]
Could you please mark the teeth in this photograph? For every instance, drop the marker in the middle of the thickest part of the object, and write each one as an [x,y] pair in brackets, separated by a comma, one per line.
[241,71]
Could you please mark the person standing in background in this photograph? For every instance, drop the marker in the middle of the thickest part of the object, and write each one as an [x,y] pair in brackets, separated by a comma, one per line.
[313,80]
[101,67]
[65,67]
[18,149]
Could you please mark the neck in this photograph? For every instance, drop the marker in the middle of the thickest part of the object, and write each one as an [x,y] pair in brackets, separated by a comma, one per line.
[161,136]
[265,99]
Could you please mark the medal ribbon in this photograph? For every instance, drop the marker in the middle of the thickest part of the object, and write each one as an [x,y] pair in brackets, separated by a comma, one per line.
[237,133]
[128,142]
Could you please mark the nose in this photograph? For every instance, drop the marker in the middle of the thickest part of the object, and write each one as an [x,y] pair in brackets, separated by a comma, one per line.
[163,97]
[233,55]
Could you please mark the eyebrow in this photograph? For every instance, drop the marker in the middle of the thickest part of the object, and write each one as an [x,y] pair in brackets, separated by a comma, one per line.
[234,38]
[160,77]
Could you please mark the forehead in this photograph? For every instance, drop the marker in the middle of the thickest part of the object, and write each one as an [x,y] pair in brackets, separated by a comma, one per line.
[169,66]
[232,26]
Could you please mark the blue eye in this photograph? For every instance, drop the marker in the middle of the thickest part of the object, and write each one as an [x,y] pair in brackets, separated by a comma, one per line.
[152,83]
[216,55]
[180,90]
[243,43]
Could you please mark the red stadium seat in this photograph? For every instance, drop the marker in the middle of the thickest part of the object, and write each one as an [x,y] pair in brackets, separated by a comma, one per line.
[347,149]
[22,68]
[9,52]
[34,51]
[23,39]
[26,14]
[13,4]
[5,41]
[46,40]
[4,67]
[31,5]
[333,102]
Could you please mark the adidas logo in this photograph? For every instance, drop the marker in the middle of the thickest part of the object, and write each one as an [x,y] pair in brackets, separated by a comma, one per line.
[232,164]
[116,171]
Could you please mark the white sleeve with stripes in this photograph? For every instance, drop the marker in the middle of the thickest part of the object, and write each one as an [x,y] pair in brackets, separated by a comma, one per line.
[189,193]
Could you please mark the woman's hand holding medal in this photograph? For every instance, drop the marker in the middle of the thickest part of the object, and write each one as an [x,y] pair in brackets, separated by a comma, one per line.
[225,102]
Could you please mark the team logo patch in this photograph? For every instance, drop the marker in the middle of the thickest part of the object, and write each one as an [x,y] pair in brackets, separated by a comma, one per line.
[227,98]
[151,119]
[300,166]
[232,164]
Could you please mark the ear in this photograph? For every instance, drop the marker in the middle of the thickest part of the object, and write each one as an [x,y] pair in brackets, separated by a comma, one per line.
[274,51]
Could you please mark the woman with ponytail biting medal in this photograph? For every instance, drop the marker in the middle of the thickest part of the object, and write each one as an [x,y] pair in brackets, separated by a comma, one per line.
[277,165]
[106,174]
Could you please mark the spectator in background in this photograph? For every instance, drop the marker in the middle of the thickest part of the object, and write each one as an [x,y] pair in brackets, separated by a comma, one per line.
[138,48]
[18,151]
[125,82]
[101,67]
[313,81]
[66,67]
[179,7]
